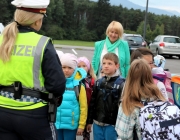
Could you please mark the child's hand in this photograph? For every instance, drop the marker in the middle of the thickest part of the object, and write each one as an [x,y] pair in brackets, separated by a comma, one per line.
[88,128]
[80,131]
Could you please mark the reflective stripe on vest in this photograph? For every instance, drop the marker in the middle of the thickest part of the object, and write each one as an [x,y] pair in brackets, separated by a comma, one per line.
[24,66]
[36,65]
[25,62]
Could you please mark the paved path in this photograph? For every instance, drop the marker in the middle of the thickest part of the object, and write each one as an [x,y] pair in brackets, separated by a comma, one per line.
[74,47]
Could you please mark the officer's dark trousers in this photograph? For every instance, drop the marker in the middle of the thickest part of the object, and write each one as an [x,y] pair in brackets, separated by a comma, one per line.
[26,125]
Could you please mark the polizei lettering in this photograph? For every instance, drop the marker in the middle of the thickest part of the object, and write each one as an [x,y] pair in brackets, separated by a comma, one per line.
[22,50]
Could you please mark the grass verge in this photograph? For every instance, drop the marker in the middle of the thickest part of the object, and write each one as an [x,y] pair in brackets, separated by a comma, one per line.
[74,43]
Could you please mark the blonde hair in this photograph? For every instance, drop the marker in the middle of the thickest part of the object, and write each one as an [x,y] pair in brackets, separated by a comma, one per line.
[10,32]
[117,26]
[91,72]
[139,85]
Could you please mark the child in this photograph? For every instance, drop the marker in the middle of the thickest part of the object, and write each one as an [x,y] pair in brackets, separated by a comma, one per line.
[147,55]
[72,114]
[139,87]
[59,53]
[159,63]
[159,74]
[104,101]
[84,63]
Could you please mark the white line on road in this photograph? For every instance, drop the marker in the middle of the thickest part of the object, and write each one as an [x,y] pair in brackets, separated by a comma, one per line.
[74,51]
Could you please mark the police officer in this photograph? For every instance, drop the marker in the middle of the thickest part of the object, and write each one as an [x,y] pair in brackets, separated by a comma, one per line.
[29,71]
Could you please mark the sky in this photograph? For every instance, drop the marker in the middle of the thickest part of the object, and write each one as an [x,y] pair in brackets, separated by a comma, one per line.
[173,5]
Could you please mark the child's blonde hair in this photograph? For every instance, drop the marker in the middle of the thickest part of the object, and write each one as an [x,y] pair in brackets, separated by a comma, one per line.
[139,85]
[91,72]
[10,32]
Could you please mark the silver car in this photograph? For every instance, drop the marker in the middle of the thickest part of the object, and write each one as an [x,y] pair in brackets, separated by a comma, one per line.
[166,45]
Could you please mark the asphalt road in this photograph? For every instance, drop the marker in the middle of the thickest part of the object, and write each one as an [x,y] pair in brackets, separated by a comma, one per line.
[173,64]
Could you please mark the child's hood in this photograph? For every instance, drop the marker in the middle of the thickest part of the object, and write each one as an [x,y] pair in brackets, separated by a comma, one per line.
[158,73]
[78,75]
[158,70]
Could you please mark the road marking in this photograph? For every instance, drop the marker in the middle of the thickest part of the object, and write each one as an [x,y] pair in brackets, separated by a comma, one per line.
[74,51]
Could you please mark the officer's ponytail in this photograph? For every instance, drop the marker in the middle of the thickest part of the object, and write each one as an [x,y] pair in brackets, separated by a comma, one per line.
[9,38]
[21,18]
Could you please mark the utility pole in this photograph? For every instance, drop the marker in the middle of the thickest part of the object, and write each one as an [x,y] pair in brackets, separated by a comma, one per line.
[144,35]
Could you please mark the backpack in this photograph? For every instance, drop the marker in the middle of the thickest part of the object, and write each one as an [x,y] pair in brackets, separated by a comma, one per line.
[88,87]
[112,90]
[176,89]
[160,121]
[77,90]
[166,79]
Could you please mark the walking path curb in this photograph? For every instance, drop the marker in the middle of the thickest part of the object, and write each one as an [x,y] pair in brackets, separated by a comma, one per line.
[73,47]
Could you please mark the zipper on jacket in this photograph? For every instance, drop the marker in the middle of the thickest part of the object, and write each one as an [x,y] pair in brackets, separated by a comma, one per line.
[72,118]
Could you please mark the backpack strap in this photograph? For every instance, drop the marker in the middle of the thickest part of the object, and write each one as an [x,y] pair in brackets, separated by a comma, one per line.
[77,90]
[155,81]
[169,122]
[118,82]
[159,77]
[118,85]
[99,81]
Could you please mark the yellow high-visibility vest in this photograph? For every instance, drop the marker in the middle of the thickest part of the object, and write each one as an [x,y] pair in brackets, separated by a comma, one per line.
[24,66]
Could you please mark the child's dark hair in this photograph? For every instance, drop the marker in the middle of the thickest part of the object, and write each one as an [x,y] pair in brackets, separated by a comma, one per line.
[138,53]
[111,56]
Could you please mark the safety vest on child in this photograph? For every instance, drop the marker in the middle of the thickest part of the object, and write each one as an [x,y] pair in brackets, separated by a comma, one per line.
[166,79]
[160,121]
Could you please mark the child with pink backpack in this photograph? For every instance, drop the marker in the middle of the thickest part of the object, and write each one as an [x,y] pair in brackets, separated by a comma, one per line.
[159,74]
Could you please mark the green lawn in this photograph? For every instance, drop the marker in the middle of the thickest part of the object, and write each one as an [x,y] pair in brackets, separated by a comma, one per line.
[74,43]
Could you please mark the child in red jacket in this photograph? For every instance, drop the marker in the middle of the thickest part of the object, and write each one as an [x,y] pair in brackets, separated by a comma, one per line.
[83,62]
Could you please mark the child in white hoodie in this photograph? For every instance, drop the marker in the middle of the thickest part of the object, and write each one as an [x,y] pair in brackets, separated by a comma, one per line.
[159,62]
[159,74]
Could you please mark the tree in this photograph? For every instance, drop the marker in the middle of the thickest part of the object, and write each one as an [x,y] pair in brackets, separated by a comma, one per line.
[149,33]
[58,12]
[157,31]
[140,28]
[90,15]
[68,19]
[102,18]
[6,11]
[162,29]
[88,20]
[166,20]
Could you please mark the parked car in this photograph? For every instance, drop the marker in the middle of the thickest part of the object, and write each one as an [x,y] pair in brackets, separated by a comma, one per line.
[135,41]
[166,45]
